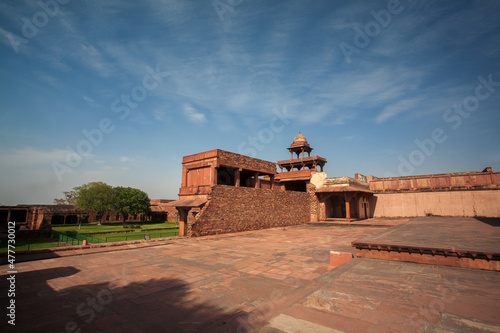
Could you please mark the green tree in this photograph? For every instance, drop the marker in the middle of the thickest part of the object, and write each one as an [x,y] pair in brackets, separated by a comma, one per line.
[128,200]
[68,197]
[97,196]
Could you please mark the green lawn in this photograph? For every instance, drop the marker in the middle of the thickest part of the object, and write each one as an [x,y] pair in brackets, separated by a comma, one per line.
[110,233]
[23,245]
[116,232]
[91,228]
[119,237]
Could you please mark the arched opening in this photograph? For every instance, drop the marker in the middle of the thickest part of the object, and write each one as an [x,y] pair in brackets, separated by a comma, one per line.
[71,219]
[57,219]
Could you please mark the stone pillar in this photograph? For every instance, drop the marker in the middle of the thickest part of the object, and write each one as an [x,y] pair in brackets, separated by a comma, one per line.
[8,215]
[347,199]
[237,177]
[183,218]
[184,177]
[272,181]
[257,181]
[348,210]
[213,175]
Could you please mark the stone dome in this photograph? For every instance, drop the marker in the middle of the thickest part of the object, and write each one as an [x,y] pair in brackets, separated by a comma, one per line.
[299,139]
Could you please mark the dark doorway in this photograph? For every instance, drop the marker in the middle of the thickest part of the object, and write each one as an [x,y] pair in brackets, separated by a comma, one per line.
[3,216]
[57,219]
[335,207]
[298,186]
[71,219]
[225,176]
[19,216]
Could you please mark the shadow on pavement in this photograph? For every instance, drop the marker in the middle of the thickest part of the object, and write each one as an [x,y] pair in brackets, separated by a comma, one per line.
[154,305]
[493,221]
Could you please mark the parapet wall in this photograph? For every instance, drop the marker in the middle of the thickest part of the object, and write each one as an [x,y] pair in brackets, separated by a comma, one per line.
[236,209]
[227,158]
[439,182]
[485,203]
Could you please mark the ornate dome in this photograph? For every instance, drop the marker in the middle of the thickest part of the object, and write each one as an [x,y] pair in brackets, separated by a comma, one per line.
[299,139]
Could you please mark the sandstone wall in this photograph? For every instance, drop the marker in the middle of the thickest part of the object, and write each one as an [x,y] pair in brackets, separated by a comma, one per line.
[484,203]
[464,180]
[235,209]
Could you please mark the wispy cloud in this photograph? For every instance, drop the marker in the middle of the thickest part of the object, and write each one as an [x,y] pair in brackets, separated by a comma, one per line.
[91,102]
[230,77]
[396,108]
[193,115]
[160,114]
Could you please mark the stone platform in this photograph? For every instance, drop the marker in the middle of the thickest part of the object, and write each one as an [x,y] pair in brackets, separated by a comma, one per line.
[371,222]
[448,241]
[267,281]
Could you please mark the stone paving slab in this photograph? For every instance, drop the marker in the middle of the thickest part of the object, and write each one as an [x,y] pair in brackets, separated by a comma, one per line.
[188,284]
[460,242]
[269,280]
[458,233]
[371,222]
[371,295]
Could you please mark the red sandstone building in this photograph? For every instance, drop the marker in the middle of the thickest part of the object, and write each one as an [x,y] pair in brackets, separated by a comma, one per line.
[230,192]
[225,192]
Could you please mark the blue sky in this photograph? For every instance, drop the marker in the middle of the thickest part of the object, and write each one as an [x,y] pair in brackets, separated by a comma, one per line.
[382,88]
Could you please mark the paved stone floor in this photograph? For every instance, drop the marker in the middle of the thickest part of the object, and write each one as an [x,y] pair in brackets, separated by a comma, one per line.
[267,281]
[441,232]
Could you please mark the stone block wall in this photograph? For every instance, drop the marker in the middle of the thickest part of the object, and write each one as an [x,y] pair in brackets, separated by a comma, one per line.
[246,162]
[236,209]
[484,203]
[314,204]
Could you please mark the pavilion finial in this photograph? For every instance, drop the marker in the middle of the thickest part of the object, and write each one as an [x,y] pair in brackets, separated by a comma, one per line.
[300,138]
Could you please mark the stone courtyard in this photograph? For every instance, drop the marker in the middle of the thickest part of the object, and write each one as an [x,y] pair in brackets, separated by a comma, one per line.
[273,280]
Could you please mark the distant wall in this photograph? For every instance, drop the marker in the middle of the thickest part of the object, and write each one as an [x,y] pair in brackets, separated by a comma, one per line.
[235,209]
[440,182]
[445,203]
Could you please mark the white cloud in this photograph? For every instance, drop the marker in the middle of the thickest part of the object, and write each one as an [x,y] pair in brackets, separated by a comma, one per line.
[193,115]
[397,108]
[160,114]
[92,103]
[129,159]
